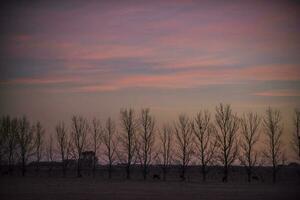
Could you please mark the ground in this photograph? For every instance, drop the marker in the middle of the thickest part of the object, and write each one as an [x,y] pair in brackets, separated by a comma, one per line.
[90,188]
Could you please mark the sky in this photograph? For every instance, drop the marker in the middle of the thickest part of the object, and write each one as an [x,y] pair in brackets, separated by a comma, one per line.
[173,56]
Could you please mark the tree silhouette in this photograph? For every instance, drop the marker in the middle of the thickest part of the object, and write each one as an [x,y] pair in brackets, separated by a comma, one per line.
[205,139]
[146,140]
[250,135]
[97,133]
[296,133]
[128,139]
[165,156]
[227,125]
[4,130]
[185,144]
[8,140]
[273,131]
[110,144]
[79,133]
[39,140]
[63,144]
[12,143]
[49,153]
[26,141]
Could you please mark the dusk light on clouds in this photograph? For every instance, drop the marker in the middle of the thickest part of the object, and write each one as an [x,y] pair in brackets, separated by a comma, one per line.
[172,56]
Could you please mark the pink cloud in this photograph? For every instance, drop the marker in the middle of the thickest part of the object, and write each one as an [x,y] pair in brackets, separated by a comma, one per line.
[195,77]
[41,81]
[200,76]
[22,38]
[202,62]
[270,72]
[279,93]
[170,81]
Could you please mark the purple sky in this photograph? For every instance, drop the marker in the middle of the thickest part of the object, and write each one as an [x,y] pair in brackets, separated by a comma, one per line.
[95,57]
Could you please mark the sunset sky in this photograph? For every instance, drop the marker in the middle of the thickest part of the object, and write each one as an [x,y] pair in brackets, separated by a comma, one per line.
[95,57]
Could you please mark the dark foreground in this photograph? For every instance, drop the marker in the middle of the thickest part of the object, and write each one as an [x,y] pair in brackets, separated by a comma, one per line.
[89,188]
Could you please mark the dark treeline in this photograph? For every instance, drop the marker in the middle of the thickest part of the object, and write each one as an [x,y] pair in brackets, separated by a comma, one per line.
[223,139]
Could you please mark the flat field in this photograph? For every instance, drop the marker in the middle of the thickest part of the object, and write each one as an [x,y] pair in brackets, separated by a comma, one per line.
[46,188]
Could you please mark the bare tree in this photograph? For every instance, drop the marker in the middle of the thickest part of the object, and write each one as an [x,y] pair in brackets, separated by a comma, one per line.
[165,156]
[80,129]
[184,138]
[227,125]
[50,154]
[96,139]
[205,141]
[8,140]
[4,130]
[12,143]
[63,144]
[250,135]
[146,140]
[296,133]
[129,139]
[39,140]
[26,141]
[273,130]
[110,144]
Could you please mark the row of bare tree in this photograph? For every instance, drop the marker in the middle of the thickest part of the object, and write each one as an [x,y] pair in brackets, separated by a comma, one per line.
[227,139]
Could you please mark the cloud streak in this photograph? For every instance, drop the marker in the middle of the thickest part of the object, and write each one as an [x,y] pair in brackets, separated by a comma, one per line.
[279,93]
[104,46]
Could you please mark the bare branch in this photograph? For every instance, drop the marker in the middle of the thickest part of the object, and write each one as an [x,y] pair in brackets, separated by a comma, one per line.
[273,129]
[227,125]
[184,137]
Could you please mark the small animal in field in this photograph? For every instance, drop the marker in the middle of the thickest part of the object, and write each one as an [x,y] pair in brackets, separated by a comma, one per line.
[224,179]
[156,177]
[182,177]
[256,178]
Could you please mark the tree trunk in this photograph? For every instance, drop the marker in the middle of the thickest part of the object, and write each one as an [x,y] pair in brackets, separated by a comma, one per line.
[145,173]
[23,166]
[109,171]
[37,169]
[64,168]
[128,171]
[78,168]
[298,144]
[164,174]
[183,173]
[274,174]
[225,178]
[203,173]
[94,166]
[249,175]
[10,166]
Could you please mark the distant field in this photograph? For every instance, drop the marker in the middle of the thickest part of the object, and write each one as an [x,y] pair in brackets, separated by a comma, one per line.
[41,186]
[89,188]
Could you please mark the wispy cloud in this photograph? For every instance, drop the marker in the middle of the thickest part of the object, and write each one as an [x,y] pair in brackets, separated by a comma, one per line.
[279,93]
[271,72]
[169,44]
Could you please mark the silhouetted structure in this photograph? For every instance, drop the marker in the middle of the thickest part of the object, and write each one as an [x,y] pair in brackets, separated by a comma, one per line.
[88,159]
[80,129]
